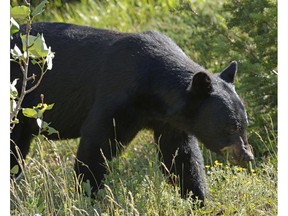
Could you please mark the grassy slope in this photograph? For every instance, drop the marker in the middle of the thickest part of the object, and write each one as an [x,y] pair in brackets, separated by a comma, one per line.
[135,185]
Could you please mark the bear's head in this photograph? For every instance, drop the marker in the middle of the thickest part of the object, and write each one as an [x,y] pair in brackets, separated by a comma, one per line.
[220,119]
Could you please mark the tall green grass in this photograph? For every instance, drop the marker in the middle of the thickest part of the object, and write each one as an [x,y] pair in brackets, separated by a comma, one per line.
[134,184]
[126,15]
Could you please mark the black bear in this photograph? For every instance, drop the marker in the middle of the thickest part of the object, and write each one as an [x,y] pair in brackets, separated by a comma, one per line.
[108,85]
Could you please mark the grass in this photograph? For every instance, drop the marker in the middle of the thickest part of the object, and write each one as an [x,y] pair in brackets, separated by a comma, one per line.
[134,184]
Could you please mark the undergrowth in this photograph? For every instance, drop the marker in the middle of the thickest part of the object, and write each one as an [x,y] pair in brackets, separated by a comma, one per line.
[134,185]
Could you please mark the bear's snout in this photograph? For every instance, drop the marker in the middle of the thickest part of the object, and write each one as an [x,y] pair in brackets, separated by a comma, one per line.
[238,154]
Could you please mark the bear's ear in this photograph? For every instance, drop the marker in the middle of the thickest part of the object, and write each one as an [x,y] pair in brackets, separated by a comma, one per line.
[200,84]
[228,74]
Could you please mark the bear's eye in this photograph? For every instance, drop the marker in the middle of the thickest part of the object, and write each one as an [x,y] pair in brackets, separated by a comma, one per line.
[233,130]
[236,128]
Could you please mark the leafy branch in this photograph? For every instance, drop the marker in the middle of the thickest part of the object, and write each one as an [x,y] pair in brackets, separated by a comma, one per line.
[35,51]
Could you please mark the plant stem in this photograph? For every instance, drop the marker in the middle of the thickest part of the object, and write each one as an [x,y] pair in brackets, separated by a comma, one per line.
[24,69]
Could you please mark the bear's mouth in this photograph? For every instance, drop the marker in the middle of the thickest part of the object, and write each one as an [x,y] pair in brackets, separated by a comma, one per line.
[238,154]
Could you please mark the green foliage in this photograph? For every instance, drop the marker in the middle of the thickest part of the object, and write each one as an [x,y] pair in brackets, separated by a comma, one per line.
[14,26]
[20,12]
[38,48]
[254,26]
[258,20]
[39,9]
[135,185]
[34,49]
[13,95]
[14,170]
[37,113]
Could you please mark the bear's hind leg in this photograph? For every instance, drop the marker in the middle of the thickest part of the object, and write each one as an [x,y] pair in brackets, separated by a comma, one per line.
[102,137]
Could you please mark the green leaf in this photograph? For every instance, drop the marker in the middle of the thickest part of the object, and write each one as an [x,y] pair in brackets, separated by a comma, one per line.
[34,61]
[45,127]
[39,8]
[37,46]
[50,106]
[20,12]
[51,130]
[38,49]
[49,59]
[42,124]
[15,169]
[13,105]
[13,89]
[16,53]
[43,107]
[87,188]
[39,106]
[15,121]
[14,26]
[29,112]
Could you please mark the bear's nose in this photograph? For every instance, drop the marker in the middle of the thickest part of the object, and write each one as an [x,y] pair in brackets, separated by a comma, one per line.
[238,154]
[247,154]
[247,157]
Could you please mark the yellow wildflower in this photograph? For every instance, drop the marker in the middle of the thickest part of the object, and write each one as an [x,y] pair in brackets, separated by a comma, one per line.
[217,163]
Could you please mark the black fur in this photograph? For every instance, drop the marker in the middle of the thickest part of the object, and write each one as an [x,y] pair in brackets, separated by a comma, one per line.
[141,80]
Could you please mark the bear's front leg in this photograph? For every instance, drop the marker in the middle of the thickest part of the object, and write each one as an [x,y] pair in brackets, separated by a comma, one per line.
[192,173]
[182,156]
